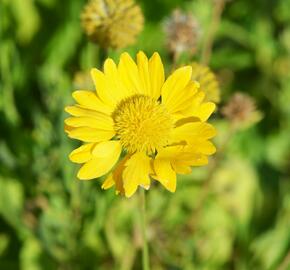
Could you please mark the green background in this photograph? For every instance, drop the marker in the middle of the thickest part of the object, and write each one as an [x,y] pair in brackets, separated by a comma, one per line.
[50,220]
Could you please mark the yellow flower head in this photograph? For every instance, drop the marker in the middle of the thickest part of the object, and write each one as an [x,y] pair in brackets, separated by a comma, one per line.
[207,80]
[112,23]
[138,126]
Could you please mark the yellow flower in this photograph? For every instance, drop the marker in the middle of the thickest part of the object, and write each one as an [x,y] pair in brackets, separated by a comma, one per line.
[155,127]
[207,80]
[112,23]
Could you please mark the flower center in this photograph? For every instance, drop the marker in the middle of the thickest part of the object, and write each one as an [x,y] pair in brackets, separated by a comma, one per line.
[142,124]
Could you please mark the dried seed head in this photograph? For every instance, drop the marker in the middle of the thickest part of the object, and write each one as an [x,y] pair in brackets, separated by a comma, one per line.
[112,23]
[241,110]
[182,33]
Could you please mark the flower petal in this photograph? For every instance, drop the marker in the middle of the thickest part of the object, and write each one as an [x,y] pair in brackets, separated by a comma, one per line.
[198,108]
[204,111]
[116,89]
[105,155]
[136,173]
[164,173]
[193,132]
[89,100]
[197,160]
[156,72]
[184,99]
[109,182]
[103,122]
[182,157]
[82,154]
[143,68]
[103,91]
[116,177]
[129,74]
[88,134]
[195,103]
[205,147]
[174,86]
[188,159]
[181,168]
[78,110]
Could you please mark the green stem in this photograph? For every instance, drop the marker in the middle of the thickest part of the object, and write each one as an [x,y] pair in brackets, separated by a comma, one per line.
[175,58]
[207,48]
[145,253]
[103,54]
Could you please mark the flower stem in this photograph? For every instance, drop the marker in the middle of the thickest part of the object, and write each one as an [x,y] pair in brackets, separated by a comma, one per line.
[145,253]
[103,54]
[175,58]
[216,17]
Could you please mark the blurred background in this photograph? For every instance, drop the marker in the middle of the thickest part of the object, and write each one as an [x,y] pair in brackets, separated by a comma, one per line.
[232,214]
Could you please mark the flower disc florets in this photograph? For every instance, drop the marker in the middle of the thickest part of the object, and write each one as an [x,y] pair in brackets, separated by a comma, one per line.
[142,124]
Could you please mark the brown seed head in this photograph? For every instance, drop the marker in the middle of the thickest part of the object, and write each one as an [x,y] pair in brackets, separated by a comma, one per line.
[182,33]
[241,109]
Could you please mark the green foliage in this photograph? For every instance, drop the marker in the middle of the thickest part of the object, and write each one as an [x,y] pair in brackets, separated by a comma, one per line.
[232,216]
